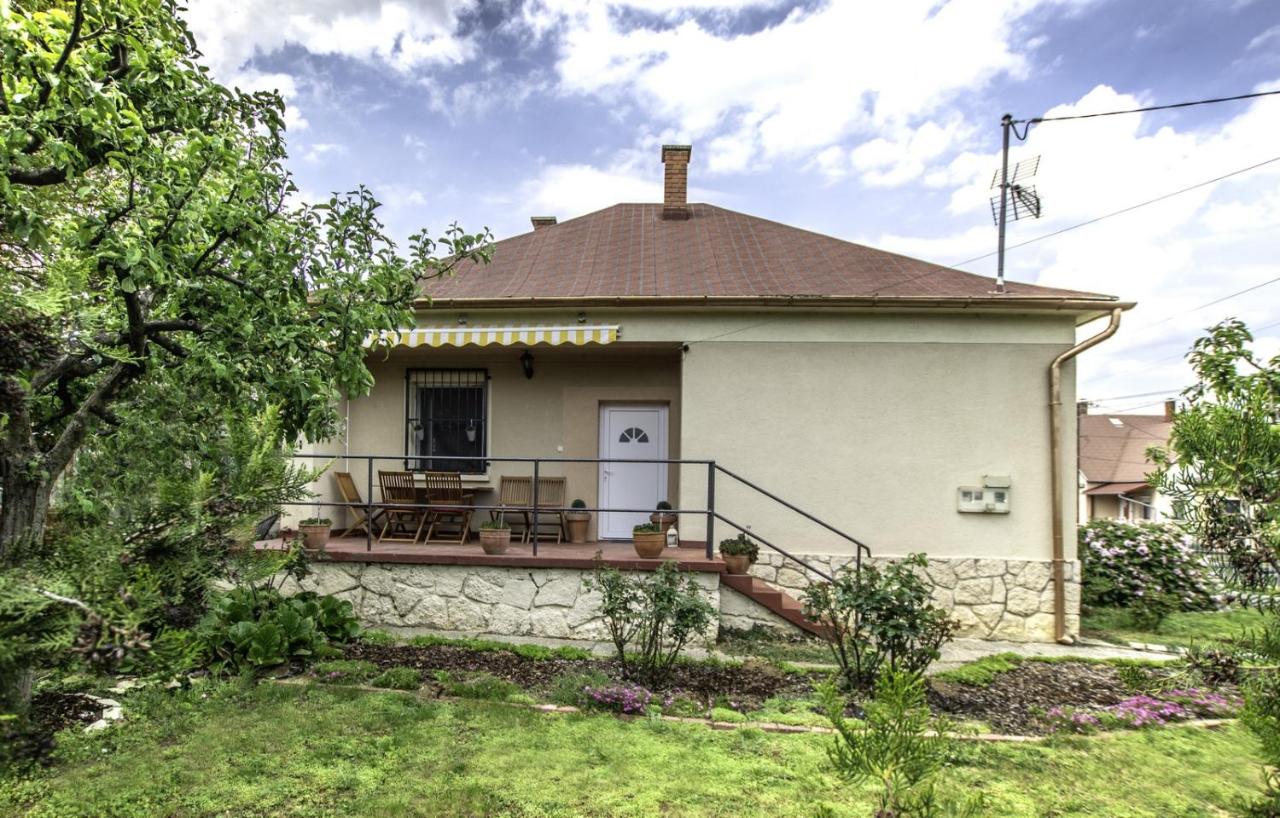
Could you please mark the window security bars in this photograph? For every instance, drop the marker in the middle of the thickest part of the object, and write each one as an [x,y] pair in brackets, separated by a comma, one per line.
[446,420]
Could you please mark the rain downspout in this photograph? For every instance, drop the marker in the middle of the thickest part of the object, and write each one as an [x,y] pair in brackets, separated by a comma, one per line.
[1055,473]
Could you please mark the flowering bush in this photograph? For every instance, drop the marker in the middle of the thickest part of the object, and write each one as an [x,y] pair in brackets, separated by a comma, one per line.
[1142,566]
[620,698]
[1144,710]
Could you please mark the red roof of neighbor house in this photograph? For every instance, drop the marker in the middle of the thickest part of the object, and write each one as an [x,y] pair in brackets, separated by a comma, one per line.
[630,251]
[1113,448]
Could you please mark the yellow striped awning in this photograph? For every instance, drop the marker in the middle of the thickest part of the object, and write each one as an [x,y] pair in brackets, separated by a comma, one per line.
[518,335]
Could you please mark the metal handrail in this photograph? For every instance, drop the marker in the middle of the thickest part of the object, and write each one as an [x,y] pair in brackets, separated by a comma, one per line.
[861,547]
[709,512]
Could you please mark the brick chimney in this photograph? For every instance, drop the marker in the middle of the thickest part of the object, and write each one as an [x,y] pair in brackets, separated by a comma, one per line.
[1170,408]
[540,222]
[1082,407]
[675,185]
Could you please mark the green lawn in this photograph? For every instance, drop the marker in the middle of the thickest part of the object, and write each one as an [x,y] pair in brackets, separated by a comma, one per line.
[321,751]
[1205,628]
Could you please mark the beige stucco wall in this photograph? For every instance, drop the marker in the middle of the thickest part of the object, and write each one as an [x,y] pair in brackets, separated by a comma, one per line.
[875,437]
[868,419]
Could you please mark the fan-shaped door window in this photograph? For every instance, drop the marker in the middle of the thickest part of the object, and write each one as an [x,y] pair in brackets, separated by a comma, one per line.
[633,434]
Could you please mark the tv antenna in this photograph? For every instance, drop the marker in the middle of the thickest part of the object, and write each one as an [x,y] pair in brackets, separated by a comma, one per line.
[1025,200]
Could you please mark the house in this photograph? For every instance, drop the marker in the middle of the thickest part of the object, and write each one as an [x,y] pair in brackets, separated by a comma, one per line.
[835,400]
[1114,466]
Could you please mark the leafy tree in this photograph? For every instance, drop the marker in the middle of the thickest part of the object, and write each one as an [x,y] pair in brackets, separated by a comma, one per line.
[1222,471]
[149,235]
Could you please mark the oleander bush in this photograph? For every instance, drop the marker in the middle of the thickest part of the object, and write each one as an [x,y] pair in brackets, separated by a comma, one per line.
[1149,568]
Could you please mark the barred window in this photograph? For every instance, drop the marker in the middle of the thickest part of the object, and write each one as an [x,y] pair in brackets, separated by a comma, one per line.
[447,419]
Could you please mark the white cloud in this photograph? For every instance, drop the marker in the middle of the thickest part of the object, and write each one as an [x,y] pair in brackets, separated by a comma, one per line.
[401,33]
[319,150]
[796,88]
[1264,38]
[572,190]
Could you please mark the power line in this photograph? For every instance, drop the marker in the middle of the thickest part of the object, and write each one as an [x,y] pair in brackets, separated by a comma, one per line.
[1119,212]
[1149,108]
[1138,395]
[1211,303]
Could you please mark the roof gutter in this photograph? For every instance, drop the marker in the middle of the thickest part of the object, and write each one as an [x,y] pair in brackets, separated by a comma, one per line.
[1003,302]
[1055,473]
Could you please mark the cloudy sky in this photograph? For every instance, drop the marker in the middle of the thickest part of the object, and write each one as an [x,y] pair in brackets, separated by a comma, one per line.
[876,122]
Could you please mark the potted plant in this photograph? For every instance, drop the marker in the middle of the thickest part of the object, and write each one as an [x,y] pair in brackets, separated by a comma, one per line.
[649,541]
[315,533]
[577,521]
[663,518]
[739,553]
[495,536]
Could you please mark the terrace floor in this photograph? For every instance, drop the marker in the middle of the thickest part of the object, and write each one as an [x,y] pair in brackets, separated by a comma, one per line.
[519,555]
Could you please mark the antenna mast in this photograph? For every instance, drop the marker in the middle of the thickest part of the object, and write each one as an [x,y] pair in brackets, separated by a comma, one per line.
[1023,198]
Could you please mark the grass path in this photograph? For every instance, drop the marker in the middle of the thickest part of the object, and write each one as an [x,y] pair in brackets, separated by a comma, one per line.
[291,751]
[1205,628]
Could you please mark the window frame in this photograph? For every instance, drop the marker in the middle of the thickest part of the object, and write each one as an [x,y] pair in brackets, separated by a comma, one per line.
[418,378]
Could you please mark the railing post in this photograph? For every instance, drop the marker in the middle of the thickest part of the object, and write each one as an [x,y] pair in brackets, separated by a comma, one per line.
[535,524]
[368,504]
[711,507]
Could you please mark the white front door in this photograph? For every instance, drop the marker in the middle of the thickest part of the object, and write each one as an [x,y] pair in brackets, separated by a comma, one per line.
[631,433]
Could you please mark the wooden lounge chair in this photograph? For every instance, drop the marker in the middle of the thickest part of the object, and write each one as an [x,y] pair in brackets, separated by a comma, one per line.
[400,515]
[351,494]
[450,507]
[551,502]
[515,495]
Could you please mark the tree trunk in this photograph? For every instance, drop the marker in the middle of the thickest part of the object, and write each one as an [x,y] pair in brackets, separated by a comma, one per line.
[24,505]
[15,688]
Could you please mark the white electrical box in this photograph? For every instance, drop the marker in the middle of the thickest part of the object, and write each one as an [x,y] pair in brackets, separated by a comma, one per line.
[990,498]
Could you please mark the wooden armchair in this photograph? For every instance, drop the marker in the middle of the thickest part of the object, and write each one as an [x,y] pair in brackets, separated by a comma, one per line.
[515,495]
[398,505]
[450,507]
[359,514]
[551,495]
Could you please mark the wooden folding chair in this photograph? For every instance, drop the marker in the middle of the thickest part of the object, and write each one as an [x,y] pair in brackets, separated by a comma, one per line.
[515,495]
[398,501]
[351,494]
[551,494]
[450,506]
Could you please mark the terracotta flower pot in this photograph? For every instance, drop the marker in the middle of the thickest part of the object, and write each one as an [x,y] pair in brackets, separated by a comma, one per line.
[736,563]
[664,519]
[495,540]
[577,522]
[314,537]
[649,545]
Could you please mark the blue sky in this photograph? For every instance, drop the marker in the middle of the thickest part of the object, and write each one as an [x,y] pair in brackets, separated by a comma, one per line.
[872,121]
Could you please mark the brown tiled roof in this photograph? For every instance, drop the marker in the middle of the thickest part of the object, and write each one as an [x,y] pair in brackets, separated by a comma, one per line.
[1111,453]
[630,251]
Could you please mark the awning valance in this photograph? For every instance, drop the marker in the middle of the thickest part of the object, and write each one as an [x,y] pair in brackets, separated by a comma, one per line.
[1116,488]
[506,336]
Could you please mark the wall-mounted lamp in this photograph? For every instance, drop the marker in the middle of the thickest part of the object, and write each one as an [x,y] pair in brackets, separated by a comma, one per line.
[463,320]
[526,363]
[582,318]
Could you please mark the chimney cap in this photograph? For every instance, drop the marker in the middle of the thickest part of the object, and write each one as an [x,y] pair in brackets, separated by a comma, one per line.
[676,153]
[540,222]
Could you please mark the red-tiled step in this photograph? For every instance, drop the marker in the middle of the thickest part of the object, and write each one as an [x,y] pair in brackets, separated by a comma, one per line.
[780,602]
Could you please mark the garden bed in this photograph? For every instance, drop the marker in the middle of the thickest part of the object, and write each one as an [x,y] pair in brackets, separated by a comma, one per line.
[1004,693]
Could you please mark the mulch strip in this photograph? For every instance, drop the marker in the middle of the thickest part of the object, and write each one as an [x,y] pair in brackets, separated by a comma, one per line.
[55,710]
[747,684]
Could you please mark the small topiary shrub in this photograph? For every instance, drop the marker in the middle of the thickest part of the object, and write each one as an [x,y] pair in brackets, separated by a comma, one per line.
[344,671]
[1149,568]
[398,678]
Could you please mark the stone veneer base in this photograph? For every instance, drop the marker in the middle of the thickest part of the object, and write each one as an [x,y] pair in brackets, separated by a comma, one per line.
[991,599]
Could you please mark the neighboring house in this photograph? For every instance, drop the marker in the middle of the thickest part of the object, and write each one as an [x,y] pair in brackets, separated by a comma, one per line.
[1114,465]
[900,402]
